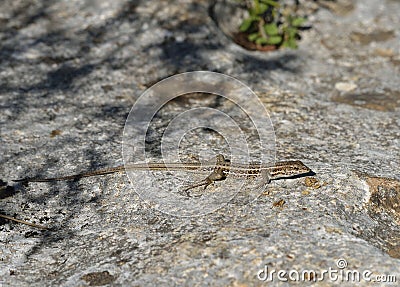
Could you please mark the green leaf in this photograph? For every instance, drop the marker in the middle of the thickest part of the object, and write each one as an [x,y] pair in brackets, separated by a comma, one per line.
[246,24]
[262,8]
[290,43]
[298,21]
[253,36]
[261,41]
[253,12]
[256,6]
[274,40]
[271,29]
[291,32]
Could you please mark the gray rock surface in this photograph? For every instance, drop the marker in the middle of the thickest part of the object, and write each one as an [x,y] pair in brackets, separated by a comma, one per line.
[70,72]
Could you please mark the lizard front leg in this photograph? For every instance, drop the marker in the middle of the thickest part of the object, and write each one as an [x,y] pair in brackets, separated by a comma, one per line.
[217,174]
[214,176]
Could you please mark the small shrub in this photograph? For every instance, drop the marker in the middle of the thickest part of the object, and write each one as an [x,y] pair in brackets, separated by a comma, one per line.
[270,23]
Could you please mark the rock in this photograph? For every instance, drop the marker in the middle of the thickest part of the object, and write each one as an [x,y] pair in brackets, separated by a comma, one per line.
[70,72]
[345,87]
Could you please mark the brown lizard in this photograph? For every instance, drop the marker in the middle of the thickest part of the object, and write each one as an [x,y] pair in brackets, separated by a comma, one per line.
[219,171]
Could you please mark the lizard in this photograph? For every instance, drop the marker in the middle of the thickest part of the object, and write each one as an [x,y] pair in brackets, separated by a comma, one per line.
[220,171]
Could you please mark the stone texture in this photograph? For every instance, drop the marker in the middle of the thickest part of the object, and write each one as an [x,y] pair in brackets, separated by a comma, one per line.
[70,72]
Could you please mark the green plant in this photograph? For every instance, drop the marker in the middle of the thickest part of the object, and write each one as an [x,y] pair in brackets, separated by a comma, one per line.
[269,23]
